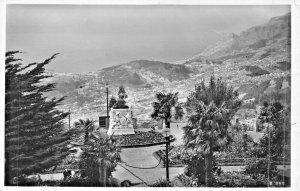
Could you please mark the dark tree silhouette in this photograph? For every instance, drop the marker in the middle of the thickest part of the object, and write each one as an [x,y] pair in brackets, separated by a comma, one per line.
[210,109]
[34,134]
[87,125]
[163,106]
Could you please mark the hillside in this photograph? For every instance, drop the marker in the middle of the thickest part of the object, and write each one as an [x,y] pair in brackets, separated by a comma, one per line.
[256,62]
[263,41]
[144,73]
[252,61]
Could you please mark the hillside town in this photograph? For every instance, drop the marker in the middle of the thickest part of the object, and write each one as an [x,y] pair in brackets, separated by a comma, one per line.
[221,118]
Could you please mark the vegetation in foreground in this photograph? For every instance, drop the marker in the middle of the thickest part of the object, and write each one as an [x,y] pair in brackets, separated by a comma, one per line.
[210,110]
[35,138]
[33,119]
[164,105]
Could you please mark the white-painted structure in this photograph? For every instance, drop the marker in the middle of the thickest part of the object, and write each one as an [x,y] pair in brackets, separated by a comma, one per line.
[120,122]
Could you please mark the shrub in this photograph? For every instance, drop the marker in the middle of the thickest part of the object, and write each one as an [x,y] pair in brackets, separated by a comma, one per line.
[161,183]
[23,180]
[126,183]
[141,138]
[261,167]
[78,182]
[184,181]
[196,167]
[238,179]
[89,167]
[241,143]
[99,158]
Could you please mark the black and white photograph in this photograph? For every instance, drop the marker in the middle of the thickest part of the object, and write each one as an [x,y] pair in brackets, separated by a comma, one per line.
[148,95]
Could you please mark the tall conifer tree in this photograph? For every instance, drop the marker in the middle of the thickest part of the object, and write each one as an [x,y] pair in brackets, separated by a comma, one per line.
[34,135]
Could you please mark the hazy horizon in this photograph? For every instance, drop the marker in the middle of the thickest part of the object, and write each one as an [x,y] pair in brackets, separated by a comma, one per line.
[89,38]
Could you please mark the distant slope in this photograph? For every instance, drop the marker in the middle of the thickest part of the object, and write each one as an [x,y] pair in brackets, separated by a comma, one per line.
[257,42]
[144,72]
[257,61]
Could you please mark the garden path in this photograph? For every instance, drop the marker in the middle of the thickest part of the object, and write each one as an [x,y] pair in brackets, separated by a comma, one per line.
[143,157]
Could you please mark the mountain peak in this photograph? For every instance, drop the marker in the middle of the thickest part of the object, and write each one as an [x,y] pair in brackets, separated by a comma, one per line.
[252,39]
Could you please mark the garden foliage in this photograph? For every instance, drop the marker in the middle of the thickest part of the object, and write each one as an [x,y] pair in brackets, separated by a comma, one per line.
[163,107]
[210,109]
[100,157]
[34,135]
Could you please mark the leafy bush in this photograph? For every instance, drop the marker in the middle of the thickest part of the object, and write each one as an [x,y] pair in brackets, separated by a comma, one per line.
[99,158]
[89,165]
[85,182]
[277,116]
[183,181]
[261,168]
[196,167]
[149,124]
[177,155]
[241,143]
[23,180]
[238,179]
[141,138]
[78,182]
[283,96]
[254,90]
[161,183]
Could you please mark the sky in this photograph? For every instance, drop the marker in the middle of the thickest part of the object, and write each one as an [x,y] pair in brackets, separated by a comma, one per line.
[91,37]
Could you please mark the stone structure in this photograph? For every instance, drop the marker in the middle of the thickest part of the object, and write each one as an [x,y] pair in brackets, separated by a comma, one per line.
[120,122]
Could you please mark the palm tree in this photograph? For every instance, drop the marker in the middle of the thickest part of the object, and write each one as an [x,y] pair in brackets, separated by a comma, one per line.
[108,157]
[210,109]
[100,157]
[163,106]
[88,126]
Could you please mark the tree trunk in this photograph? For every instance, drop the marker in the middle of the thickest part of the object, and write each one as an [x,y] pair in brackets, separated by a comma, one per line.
[86,136]
[100,175]
[104,176]
[167,122]
[208,169]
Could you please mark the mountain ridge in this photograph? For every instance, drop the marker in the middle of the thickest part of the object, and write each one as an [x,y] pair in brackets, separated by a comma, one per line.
[256,63]
[274,28]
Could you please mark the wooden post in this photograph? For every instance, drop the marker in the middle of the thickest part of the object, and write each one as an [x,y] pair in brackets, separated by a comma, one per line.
[107,112]
[167,157]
